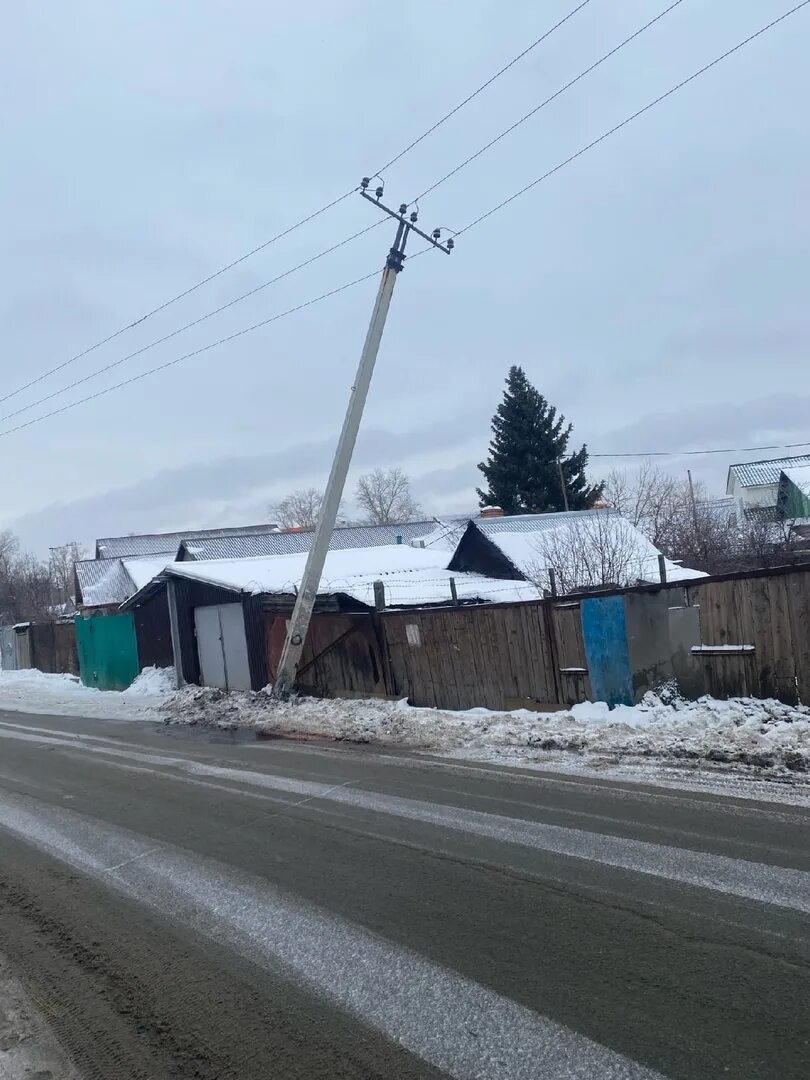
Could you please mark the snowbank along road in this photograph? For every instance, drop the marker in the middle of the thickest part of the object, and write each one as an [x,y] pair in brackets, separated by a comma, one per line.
[191,904]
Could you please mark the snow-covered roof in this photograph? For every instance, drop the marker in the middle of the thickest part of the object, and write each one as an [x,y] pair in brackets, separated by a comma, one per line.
[800,475]
[242,546]
[757,473]
[584,547]
[103,582]
[412,576]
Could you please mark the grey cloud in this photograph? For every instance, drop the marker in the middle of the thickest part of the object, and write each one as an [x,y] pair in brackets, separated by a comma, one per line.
[205,493]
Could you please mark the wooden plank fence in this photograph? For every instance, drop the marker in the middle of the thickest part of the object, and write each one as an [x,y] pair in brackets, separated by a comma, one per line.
[532,654]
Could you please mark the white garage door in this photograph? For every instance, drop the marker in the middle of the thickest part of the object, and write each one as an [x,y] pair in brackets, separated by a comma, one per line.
[222,646]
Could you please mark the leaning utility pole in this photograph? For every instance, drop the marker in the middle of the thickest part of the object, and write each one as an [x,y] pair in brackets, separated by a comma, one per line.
[305,600]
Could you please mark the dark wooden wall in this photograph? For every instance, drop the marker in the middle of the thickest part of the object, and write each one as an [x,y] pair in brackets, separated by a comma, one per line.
[504,656]
[53,647]
[153,632]
[342,656]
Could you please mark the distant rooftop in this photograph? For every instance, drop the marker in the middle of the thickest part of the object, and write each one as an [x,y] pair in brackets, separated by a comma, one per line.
[756,473]
[282,542]
[113,547]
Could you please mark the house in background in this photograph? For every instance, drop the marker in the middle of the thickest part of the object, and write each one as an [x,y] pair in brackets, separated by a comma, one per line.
[754,485]
[585,549]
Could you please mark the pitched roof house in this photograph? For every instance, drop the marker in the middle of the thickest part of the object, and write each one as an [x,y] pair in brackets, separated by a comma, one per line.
[584,548]
[755,484]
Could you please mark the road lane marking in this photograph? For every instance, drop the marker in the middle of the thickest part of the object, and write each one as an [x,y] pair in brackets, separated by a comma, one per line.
[446,1019]
[761,882]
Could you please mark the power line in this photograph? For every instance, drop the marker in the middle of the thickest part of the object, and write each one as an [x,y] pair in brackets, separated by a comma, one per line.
[701,453]
[291,228]
[547,101]
[634,116]
[179,296]
[482,87]
[187,326]
[194,352]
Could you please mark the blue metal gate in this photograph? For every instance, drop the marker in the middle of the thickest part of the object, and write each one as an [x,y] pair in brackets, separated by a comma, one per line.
[605,636]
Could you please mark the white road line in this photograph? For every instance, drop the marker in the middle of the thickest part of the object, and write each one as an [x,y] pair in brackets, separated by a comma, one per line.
[450,1021]
[781,886]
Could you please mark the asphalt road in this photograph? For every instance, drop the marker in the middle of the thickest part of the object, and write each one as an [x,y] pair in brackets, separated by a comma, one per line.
[182,904]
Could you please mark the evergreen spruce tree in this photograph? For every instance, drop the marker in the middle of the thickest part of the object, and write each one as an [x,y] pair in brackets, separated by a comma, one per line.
[528,439]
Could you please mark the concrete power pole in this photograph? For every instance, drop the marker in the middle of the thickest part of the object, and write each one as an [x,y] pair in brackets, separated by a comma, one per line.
[305,601]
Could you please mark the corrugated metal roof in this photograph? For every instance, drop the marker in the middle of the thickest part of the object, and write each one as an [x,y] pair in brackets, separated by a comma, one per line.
[107,581]
[246,546]
[530,523]
[114,547]
[753,473]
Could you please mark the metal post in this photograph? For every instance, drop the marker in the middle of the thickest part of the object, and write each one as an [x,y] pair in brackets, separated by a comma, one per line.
[305,600]
[562,485]
[174,630]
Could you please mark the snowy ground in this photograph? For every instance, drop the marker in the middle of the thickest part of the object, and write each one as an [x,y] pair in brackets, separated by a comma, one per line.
[34,691]
[662,737]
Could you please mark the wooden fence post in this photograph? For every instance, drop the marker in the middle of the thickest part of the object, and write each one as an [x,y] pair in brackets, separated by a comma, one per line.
[453,590]
[379,596]
[552,581]
[662,569]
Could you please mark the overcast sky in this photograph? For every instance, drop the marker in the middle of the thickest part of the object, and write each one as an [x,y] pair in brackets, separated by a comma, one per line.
[655,290]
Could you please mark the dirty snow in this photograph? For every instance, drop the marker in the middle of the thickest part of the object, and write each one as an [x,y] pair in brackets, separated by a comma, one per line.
[766,735]
[743,737]
[28,1049]
[33,691]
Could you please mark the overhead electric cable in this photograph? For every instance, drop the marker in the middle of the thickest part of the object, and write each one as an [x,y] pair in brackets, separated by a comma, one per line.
[633,116]
[291,228]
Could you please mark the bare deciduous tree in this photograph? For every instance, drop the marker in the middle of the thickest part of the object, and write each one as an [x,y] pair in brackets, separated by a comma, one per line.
[300,509]
[589,552]
[650,499]
[60,570]
[703,534]
[385,496]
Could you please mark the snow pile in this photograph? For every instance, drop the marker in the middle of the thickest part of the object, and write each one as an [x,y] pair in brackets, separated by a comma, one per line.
[742,731]
[153,682]
[33,691]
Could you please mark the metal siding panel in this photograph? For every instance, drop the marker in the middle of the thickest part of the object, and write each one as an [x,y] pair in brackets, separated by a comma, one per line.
[605,634]
[234,647]
[209,647]
[108,650]
[8,648]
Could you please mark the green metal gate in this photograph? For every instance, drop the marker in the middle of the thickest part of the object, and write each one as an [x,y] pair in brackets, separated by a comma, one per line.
[108,650]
